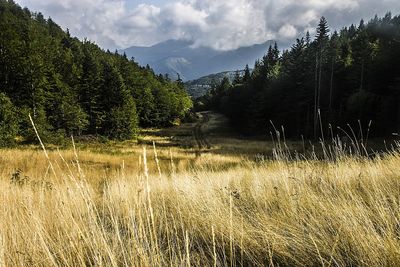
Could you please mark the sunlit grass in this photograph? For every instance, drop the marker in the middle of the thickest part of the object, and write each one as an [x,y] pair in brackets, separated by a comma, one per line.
[117,210]
[159,204]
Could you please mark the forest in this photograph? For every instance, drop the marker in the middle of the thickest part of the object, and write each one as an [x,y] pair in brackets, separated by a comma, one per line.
[73,87]
[334,83]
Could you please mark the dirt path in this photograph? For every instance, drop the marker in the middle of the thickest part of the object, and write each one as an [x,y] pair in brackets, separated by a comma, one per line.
[198,134]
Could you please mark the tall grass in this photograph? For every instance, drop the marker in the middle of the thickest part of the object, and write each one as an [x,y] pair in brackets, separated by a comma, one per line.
[140,209]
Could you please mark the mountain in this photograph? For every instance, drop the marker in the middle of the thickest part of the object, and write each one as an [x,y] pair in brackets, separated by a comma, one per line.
[199,87]
[177,56]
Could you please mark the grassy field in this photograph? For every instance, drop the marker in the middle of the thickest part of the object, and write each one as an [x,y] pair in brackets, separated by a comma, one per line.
[181,203]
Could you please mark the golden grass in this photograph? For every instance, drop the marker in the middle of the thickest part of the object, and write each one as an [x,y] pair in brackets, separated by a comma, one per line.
[130,204]
[115,209]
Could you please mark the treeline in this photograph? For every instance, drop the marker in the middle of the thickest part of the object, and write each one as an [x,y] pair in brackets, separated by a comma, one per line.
[75,88]
[339,79]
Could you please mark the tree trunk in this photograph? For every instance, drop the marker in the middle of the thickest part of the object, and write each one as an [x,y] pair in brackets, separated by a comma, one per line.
[316,97]
[307,128]
[319,93]
[362,76]
[331,87]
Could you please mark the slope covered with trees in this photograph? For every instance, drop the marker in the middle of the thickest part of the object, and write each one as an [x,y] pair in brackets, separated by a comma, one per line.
[338,79]
[72,87]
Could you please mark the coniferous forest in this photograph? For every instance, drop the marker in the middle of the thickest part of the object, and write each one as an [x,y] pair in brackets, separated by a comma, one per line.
[349,78]
[72,87]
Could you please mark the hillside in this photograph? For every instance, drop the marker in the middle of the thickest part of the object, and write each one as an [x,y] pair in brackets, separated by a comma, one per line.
[200,87]
[70,87]
[176,56]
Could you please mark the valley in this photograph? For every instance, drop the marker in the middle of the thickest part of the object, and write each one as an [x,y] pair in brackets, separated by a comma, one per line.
[205,143]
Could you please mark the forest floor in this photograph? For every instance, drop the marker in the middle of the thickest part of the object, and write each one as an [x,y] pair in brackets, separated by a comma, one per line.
[198,195]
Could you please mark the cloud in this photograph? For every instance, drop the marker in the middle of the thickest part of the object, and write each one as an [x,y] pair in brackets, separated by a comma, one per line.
[214,23]
[287,31]
[144,17]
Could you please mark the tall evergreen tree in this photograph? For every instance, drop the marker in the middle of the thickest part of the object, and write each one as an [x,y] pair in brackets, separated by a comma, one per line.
[322,39]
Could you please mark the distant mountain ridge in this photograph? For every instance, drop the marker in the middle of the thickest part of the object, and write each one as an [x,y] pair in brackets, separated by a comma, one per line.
[176,56]
[199,87]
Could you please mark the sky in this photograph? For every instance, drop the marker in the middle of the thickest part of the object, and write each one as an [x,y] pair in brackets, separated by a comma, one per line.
[222,25]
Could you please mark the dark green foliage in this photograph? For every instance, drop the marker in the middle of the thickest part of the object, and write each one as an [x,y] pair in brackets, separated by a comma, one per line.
[75,88]
[8,121]
[123,121]
[338,79]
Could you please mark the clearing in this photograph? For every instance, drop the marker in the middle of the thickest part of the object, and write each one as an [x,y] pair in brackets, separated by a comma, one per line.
[200,197]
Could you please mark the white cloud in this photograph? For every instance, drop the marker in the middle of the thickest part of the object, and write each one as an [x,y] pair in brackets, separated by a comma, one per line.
[144,16]
[336,4]
[183,15]
[287,31]
[215,23]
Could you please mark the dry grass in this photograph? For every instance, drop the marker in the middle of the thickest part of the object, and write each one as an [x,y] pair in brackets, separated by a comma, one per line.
[122,205]
[116,209]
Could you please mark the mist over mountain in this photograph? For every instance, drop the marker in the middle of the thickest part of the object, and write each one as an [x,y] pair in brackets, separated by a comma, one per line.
[177,56]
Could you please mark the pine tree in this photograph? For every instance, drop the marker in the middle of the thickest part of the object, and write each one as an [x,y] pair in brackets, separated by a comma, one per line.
[237,78]
[247,74]
[333,54]
[322,39]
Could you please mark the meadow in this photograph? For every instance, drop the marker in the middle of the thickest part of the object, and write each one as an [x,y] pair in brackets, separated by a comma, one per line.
[175,204]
